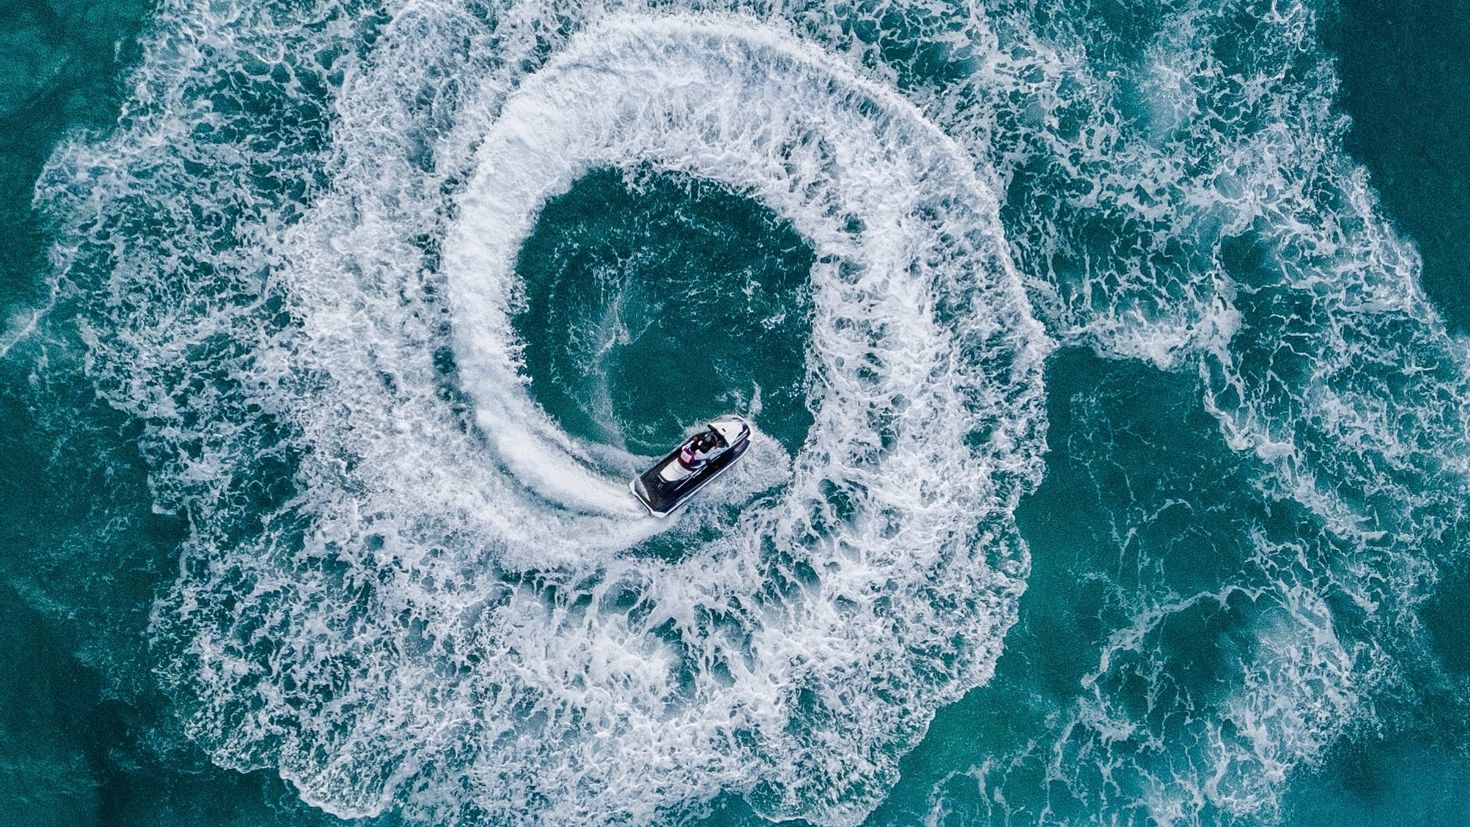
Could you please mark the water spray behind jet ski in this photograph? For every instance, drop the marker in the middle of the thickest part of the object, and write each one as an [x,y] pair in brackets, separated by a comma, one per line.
[693,465]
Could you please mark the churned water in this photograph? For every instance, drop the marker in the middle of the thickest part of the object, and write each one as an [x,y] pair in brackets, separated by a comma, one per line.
[1106,362]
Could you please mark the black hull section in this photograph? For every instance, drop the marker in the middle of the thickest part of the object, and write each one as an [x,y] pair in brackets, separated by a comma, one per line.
[663,498]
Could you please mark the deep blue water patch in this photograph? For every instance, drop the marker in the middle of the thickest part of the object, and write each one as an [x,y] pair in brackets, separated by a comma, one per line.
[655,301]
[1405,71]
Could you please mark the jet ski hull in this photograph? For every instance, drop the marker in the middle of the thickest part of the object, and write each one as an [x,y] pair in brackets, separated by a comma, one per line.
[662,498]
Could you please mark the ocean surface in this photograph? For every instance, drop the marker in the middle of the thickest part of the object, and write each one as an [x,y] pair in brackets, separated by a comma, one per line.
[1107,361]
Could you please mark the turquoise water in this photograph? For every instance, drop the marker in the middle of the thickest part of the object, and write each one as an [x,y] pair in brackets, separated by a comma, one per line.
[332,332]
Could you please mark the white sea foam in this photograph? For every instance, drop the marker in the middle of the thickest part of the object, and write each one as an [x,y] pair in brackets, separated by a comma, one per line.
[1243,243]
[452,620]
[401,600]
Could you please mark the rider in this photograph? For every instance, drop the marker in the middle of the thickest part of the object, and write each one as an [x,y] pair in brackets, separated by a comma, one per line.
[699,449]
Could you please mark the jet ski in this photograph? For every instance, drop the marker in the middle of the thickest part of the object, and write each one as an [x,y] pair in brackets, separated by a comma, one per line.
[693,465]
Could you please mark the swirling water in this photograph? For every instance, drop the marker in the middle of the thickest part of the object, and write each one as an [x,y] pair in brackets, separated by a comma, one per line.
[1111,430]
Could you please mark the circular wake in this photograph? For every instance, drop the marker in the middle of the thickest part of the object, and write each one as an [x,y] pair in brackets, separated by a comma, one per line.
[921,338]
[408,586]
[441,610]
